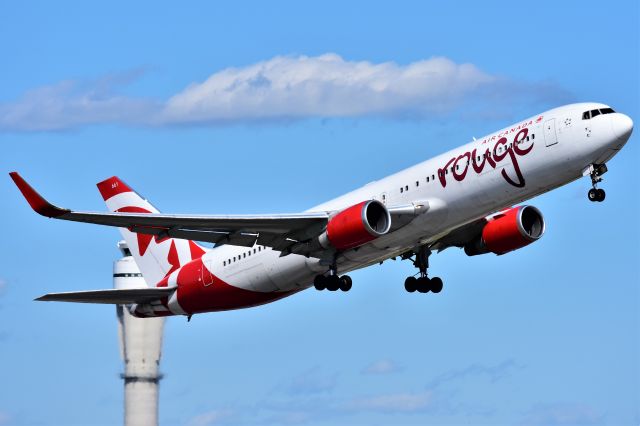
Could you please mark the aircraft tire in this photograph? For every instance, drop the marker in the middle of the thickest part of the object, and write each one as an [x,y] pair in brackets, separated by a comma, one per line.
[436,284]
[410,284]
[320,282]
[345,283]
[424,285]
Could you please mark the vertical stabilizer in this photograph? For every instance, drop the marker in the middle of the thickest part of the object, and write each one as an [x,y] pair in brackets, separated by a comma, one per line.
[156,257]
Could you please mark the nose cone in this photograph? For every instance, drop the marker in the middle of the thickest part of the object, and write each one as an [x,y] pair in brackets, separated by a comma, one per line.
[622,126]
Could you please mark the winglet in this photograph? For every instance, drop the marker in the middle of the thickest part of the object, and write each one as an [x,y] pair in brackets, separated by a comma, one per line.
[35,200]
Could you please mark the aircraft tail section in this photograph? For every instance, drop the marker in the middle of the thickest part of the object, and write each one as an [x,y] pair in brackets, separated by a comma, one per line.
[155,255]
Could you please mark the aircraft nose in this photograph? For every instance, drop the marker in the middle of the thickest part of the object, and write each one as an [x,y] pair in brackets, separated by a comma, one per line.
[622,126]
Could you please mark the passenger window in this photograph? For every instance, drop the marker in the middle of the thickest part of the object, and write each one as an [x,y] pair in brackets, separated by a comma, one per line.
[533,135]
[234,258]
[224,263]
[433,177]
[406,187]
[427,179]
[401,190]
[417,183]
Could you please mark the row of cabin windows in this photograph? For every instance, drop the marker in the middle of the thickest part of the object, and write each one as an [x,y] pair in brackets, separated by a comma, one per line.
[243,255]
[432,178]
[587,115]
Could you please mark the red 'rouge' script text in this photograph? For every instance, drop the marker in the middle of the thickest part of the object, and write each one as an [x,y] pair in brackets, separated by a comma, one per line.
[501,150]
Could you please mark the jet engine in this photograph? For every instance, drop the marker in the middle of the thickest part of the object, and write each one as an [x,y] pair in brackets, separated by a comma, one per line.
[356,225]
[508,231]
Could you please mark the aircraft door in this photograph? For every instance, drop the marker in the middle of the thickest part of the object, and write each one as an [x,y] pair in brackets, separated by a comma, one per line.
[205,272]
[550,135]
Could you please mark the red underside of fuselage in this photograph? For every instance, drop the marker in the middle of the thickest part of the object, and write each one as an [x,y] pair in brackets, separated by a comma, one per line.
[221,296]
[200,292]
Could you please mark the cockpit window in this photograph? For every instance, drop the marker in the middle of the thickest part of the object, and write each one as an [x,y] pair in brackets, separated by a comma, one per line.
[594,112]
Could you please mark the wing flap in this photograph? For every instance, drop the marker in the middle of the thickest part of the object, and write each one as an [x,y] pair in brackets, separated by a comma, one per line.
[110,296]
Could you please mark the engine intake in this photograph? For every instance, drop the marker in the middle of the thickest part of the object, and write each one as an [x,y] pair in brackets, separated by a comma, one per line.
[511,230]
[356,225]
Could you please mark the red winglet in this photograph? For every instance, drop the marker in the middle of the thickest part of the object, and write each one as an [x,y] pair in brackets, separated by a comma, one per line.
[35,200]
[112,186]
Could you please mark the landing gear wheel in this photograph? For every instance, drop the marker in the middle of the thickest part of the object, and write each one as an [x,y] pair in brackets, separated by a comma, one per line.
[333,282]
[345,283]
[595,172]
[320,282]
[410,284]
[424,284]
[436,284]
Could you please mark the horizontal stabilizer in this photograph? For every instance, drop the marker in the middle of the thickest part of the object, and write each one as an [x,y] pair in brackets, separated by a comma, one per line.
[111,296]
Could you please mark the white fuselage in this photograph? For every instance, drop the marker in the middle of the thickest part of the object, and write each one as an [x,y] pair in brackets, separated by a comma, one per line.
[557,147]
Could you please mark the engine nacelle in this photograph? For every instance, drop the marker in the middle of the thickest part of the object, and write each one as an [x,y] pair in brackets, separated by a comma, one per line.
[511,230]
[356,225]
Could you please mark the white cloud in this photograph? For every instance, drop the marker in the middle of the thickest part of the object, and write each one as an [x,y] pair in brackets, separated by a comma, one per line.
[561,413]
[325,86]
[71,104]
[211,418]
[493,372]
[312,381]
[383,366]
[393,403]
[281,88]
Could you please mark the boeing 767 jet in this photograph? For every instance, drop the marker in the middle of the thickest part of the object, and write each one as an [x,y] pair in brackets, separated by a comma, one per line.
[467,198]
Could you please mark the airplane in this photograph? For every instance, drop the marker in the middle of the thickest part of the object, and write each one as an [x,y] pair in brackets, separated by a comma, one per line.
[466,198]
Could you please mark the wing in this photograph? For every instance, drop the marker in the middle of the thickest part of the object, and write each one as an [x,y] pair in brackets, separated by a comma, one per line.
[278,231]
[460,236]
[111,296]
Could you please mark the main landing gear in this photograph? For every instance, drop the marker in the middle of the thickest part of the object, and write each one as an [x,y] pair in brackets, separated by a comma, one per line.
[596,172]
[333,281]
[423,284]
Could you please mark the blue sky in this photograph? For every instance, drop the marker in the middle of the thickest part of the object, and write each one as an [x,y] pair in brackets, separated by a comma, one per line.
[546,335]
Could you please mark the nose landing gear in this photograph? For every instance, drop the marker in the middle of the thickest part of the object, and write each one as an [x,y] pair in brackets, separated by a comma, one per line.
[596,194]
[422,284]
[595,172]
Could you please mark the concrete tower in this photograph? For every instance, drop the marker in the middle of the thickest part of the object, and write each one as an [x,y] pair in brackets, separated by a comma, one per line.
[140,349]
